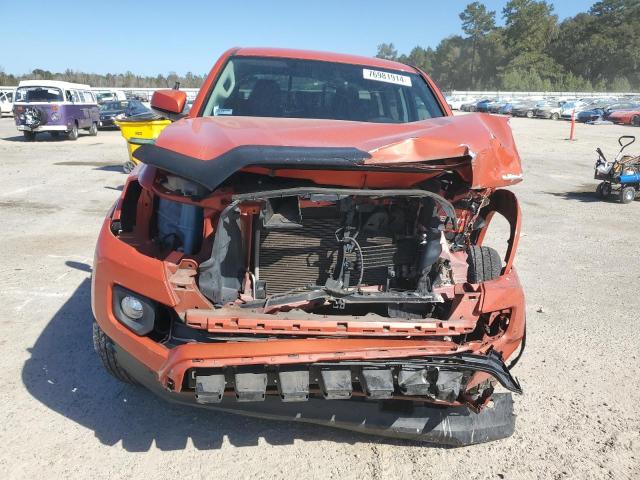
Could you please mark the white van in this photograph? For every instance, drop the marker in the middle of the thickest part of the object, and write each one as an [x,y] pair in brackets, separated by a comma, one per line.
[6,102]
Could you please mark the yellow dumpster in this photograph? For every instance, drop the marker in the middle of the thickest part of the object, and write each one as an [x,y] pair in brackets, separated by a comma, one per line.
[139,130]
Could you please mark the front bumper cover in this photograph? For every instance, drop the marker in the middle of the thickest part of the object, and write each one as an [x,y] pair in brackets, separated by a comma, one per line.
[453,426]
[170,366]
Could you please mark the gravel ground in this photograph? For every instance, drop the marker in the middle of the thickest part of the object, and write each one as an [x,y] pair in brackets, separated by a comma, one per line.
[65,416]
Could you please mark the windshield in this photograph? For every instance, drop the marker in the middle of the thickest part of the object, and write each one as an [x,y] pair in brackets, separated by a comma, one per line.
[136,107]
[113,106]
[38,94]
[292,88]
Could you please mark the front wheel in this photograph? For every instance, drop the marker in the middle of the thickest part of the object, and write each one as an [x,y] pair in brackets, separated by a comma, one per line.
[627,194]
[603,189]
[104,347]
[128,166]
[635,120]
[555,116]
[484,264]
[29,136]
[530,114]
[93,131]
[73,133]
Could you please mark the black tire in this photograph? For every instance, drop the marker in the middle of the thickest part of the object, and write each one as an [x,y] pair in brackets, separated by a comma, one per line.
[636,120]
[29,136]
[603,189]
[93,131]
[104,347]
[555,116]
[73,133]
[627,194]
[484,264]
[529,114]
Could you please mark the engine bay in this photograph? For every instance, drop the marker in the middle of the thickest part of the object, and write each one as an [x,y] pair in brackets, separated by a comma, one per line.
[331,251]
[288,257]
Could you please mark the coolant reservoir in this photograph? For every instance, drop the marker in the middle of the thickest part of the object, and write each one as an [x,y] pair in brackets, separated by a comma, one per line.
[179,226]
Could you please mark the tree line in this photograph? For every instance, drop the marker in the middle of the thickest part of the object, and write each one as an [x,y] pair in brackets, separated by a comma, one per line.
[110,80]
[597,50]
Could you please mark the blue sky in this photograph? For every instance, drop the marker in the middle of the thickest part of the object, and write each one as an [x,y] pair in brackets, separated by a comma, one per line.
[150,37]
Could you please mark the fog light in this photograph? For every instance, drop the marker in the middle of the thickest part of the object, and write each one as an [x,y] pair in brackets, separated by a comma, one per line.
[135,311]
[132,307]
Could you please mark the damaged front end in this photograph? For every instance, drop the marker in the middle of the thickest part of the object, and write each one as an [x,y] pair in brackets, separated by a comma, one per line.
[304,279]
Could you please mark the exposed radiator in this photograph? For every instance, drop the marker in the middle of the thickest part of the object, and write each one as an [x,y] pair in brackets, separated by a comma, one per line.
[294,258]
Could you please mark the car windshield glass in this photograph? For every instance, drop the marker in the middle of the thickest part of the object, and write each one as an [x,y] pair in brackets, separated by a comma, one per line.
[38,94]
[293,88]
[136,108]
[112,106]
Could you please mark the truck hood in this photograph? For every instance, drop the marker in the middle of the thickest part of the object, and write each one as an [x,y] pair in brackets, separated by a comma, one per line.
[219,146]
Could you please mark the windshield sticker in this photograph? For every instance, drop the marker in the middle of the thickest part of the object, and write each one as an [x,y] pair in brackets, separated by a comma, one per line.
[222,111]
[386,77]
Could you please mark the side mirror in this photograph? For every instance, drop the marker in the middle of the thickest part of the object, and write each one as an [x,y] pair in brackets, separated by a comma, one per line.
[169,102]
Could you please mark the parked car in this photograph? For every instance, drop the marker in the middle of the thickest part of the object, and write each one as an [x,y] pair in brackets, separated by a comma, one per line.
[111,111]
[507,108]
[602,110]
[524,109]
[111,96]
[468,106]
[265,247]
[568,109]
[549,110]
[473,105]
[591,115]
[456,102]
[143,97]
[483,105]
[6,103]
[55,107]
[626,117]
[494,107]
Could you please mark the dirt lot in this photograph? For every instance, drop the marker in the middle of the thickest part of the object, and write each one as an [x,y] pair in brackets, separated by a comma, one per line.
[63,415]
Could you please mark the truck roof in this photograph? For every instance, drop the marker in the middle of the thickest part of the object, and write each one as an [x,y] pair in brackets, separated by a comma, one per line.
[323,56]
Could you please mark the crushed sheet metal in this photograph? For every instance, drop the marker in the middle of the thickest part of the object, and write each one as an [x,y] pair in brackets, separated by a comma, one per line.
[403,145]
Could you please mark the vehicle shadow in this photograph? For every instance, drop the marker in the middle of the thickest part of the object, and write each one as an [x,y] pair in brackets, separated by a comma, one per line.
[111,168]
[65,374]
[41,137]
[584,197]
